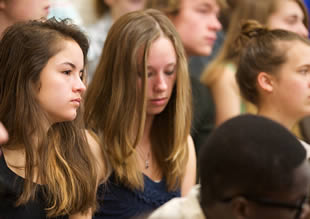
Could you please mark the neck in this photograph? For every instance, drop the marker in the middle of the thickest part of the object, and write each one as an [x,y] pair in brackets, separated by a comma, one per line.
[276,114]
[145,141]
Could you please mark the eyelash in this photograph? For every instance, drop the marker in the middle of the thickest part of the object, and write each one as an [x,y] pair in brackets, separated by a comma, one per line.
[167,73]
[304,71]
[67,72]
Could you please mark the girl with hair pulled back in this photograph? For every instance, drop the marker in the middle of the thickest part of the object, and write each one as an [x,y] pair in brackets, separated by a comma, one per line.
[274,73]
[47,167]
[220,73]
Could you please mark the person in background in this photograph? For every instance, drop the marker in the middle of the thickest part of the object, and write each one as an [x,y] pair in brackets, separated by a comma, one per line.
[197,23]
[12,11]
[273,73]
[108,11]
[47,167]
[220,74]
[139,104]
[3,135]
[63,9]
[252,168]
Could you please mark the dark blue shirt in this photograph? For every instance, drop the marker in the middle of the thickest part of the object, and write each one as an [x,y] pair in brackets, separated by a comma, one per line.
[119,202]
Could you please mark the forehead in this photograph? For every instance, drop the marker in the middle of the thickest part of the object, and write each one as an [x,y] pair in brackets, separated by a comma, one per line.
[213,4]
[289,7]
[297,52]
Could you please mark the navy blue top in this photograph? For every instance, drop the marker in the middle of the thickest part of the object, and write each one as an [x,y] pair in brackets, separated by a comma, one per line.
[117,201]
[11,186]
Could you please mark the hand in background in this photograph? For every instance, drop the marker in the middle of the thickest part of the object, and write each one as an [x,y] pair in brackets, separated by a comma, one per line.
[3,134]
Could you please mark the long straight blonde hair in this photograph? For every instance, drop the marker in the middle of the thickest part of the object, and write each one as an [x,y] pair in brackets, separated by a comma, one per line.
[116,109]
[61,156]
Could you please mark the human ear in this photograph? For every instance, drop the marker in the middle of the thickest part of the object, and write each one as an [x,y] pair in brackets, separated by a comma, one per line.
[240,208]
[109,2]
[265,81]
[2,4]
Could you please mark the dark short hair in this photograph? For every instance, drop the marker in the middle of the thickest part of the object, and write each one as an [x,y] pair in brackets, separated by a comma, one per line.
[248,155]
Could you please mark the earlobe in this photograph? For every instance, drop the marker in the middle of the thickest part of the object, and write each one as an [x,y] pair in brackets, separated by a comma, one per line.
[240,208]
[2,5]
[108,2]
[265,81]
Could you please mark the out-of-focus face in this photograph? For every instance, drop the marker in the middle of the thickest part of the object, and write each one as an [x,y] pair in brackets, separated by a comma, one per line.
[161,67]
[197,23]
[293,195]
[288,16]
[121,7]
[23,10]
[291,87]
[272,205]
[61,86]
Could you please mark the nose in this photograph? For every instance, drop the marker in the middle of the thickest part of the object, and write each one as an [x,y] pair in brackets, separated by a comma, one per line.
[215,24]
[302,30]
[78,85]
[160,82]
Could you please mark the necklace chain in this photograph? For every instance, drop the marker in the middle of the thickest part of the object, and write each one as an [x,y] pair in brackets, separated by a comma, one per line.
[146,160]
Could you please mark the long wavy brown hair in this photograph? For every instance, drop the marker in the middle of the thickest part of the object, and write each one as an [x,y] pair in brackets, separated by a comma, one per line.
[61,155]
[116,109]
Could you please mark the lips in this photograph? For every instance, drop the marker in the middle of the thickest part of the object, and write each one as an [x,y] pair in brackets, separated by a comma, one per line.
[76,101]
[159,101]
[210,40]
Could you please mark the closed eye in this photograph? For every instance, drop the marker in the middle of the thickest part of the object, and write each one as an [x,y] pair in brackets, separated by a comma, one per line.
[169,72]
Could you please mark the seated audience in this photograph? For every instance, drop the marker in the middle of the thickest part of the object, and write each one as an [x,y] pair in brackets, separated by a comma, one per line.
[252,167]
[274,73]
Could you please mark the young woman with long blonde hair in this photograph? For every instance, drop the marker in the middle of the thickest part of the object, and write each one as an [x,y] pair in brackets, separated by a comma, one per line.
[139,104]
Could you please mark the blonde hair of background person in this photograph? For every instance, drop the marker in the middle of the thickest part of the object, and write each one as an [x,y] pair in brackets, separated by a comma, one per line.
[220,74]
[12,11]
[116,108]
[41,89]
[273,73]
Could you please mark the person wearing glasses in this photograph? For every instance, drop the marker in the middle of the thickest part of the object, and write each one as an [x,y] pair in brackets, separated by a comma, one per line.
[251,167]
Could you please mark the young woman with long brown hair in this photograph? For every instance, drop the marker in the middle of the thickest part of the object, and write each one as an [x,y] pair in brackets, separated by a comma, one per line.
[47,168]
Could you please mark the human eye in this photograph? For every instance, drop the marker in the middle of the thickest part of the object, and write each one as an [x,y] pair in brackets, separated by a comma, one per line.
[81,75]
[291,20]
[67,72]
[150,74]
[170,72]
[304,71]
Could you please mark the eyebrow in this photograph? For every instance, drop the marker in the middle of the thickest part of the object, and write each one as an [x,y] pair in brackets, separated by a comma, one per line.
[166,66]
[72,65]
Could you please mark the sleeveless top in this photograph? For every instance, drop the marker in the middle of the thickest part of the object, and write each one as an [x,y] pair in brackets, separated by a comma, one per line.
[117,201]
[11,186]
